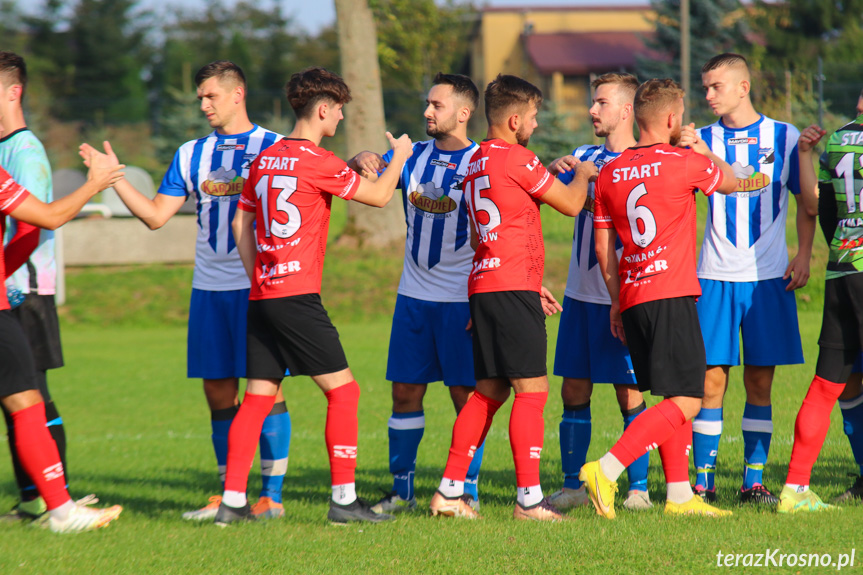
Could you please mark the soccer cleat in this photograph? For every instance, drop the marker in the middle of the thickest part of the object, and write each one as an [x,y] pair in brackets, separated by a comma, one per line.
[266,508]
[453,506]
[393,503]
[359,510]
[708,495]
[757,495]
[25,511]
[637,500]
[792,502]
[474,504]
[600,488]
[855,492]
[82,518]
[695,506]
[226,515]
[542,511]
[569,498]
[206,513]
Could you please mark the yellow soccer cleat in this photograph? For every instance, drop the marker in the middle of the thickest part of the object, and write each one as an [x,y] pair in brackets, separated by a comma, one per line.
[792,502]
[600,488]
[453,506]
[695,506]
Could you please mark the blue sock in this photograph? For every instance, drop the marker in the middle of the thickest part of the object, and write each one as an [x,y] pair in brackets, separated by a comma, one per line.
[637,470]
[220,420]
[275,444]
[472,477]
[405,432]
[575,428]
[852,414]
[706,431]
[757,429]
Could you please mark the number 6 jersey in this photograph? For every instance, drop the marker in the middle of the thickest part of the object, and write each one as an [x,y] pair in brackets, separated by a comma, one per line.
[290,189]
[646,195]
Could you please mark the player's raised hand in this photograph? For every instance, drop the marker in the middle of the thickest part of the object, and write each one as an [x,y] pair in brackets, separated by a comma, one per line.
[810,137]
[563,164]
[550,306]
[587,170]
[104,168]
[688,136]
[403,144]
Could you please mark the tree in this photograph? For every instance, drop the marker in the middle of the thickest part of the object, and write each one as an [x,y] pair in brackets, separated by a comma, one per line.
[364,124]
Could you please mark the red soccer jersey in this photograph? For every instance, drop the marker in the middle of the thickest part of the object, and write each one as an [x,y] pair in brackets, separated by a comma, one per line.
[503,185]
[646,195]
[289,189]
[11,195]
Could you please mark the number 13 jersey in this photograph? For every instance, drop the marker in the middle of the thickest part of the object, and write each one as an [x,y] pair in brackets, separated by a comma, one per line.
[646,195]
[290,189]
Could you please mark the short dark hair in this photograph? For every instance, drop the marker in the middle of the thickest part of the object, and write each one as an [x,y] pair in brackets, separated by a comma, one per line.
[307,88]
[223,70]
[13,70]
[505,93]
[627,82]
[654,97]
[725,59]
[462,86]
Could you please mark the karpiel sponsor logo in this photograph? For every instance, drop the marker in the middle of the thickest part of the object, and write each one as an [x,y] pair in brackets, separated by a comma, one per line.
[429,198]
[223,182]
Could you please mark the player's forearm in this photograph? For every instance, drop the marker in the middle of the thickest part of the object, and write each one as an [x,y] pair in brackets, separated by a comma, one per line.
[52,216]
[808,183]
[244,235]
[606,256]
[141,206]
[805,231]
[386,184]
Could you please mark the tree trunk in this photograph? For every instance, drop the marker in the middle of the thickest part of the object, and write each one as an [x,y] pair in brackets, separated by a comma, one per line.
[364,120]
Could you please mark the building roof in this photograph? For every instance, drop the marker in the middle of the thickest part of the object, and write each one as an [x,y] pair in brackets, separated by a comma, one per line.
[579,54]
[557,8]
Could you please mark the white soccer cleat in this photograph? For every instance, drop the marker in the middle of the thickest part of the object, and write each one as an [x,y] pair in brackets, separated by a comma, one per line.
[206,513]
[82,518]
[569,498]
[637,501]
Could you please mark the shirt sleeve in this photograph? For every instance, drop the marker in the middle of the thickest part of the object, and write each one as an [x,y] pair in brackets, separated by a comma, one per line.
[601,218]
[11,193]
[174,184]
[702,173]
[524,167]
[248,198]
[33,172]
[336,178]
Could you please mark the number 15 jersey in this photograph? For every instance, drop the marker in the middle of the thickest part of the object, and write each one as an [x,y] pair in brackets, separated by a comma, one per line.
[646,195]
[290,190]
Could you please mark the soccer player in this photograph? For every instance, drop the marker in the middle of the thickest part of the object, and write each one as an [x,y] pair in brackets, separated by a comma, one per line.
[29,254]
[587,352]
[19,392]
[645,197]
[747,282]
[430,340]
[841,186]
[214,168]
[504,186]
[281,230]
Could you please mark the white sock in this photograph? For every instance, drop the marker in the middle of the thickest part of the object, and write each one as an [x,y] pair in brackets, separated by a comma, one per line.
[62,512]
[797,488]
[345,494]
[611,466]
[234,498]
[679,492]
[451,488]
[529,496]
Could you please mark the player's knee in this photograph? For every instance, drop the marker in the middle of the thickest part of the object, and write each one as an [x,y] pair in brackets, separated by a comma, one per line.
[407,397]
[576,391]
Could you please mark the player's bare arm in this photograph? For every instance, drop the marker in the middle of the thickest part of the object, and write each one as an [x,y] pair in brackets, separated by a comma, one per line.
[368,164]
[379,193]
[798,267]
[606,256]
[243,227]
[153,213]
[809,138]
[689,139]
[104,171]
[568,199]
[563,164]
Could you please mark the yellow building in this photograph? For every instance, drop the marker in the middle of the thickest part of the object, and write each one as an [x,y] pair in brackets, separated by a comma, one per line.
[559,49]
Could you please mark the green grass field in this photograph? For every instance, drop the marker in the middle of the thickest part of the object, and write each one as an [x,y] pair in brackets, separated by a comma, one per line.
[139,436]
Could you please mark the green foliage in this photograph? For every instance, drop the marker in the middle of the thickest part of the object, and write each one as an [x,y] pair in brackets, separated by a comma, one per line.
[180,120]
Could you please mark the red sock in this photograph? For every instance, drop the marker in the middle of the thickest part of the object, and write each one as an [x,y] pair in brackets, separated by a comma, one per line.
[341,432]
[810,428]
[649,430]
[468,433]
[526,434]
[39,456]
[674,453]
[243,439]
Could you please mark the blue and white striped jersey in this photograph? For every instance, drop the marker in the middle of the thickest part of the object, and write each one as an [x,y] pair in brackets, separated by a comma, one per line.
[744,239]
[438,255]
[585,282]
[214,168]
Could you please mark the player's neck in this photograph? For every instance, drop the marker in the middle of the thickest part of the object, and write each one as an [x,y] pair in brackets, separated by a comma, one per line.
[619,140]
[744,115]
[452,142]
[648,137]
[304,130]
[501,133]
[13,120]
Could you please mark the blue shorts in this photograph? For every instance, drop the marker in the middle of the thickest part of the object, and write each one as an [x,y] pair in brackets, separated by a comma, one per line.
[429,343]
[217,334]
[763,311]
[585,347]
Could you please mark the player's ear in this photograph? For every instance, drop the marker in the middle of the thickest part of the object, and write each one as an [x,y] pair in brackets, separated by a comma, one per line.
[464,114]
[514,122]
[744,87]
[323,110]
[239,94]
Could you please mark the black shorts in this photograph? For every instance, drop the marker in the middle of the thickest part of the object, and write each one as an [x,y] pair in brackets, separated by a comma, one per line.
[666,347]
[38,317]
[842,320]
[17,373]
[291,334]
[509,338]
